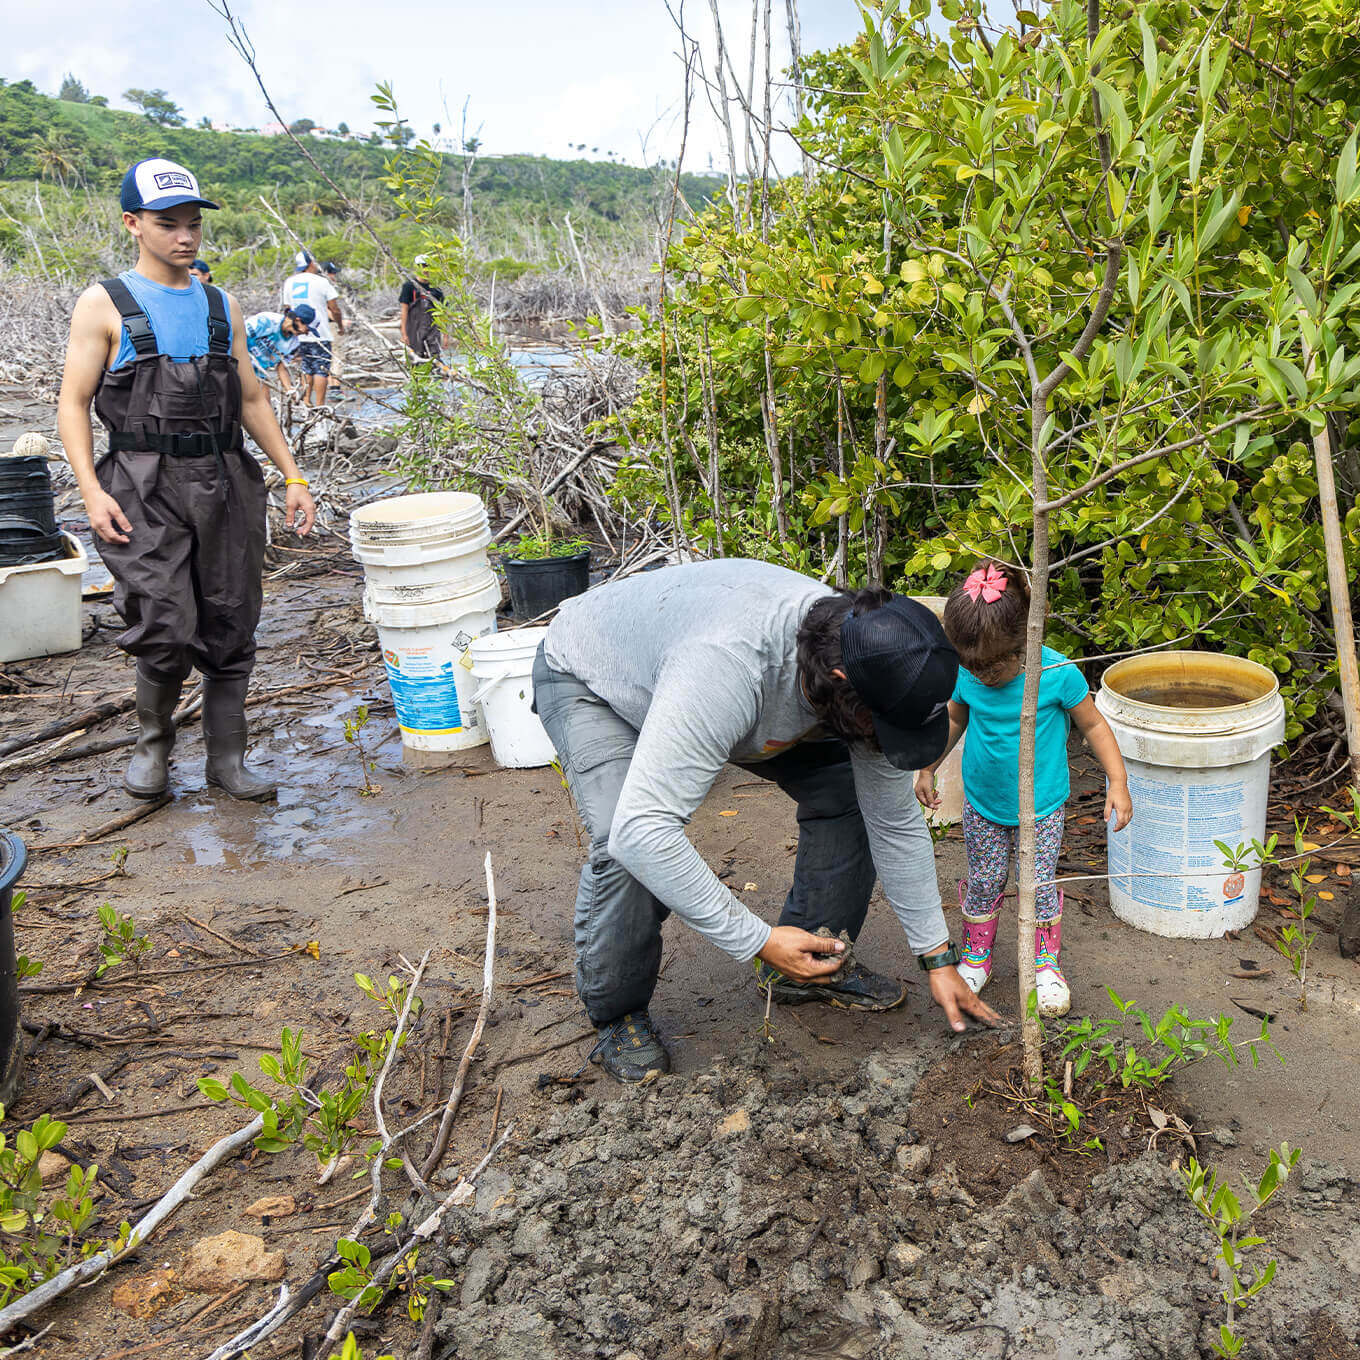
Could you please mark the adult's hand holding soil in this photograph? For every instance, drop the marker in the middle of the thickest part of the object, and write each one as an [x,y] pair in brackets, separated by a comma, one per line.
[802,956]
[107,517]
[957,999]
[299,509]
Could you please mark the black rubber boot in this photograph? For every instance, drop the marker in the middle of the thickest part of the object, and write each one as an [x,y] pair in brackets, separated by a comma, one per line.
[630,1049]
[148,772]
[224,735]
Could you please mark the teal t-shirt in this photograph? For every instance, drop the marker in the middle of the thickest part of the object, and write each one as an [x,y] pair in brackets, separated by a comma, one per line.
[991,754]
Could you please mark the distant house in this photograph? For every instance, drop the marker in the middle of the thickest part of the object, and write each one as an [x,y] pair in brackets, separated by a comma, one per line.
[220,125]
[273,130]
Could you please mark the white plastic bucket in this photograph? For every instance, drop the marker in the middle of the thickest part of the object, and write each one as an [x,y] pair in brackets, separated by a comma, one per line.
[949,777]
[1196,731]
[430,515]
[404,591]
[425,649]
[504,664]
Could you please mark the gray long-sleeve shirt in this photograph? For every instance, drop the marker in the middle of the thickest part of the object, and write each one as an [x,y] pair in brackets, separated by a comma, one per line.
[702,660]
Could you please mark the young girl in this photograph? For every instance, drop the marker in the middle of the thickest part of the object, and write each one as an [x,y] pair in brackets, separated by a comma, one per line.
[985,620]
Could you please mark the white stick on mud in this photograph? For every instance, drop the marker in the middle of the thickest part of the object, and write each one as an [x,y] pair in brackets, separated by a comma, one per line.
[58,1285]
[441,1141]
[427,1229]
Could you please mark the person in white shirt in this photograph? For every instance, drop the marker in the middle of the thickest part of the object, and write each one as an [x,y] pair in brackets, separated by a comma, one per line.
[308,286]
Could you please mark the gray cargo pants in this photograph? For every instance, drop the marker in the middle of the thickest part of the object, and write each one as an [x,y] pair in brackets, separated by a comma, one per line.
[618,922]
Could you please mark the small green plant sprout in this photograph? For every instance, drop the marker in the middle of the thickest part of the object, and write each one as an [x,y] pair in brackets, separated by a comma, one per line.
[122,943]
[323,1120]
[354,734]
[1295,941]
[1227,1217]
[40,1238]
[349,1350]
[536,547]
[27,968]
[119,860]
[571,802]
[355,1280]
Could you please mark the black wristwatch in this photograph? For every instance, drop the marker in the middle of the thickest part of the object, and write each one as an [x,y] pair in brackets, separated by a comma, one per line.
[949,958]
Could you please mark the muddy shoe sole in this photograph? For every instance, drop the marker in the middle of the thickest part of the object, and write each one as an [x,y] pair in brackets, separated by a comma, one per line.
[787,994]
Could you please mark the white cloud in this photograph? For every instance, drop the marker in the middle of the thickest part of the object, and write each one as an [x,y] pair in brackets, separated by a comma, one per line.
[539,74]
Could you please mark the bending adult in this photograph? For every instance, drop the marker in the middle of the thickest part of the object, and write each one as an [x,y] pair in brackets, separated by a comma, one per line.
[649,686]
[177,504]
[308,286]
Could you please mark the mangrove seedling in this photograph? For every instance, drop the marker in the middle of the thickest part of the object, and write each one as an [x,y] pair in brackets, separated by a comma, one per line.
[354,734]
[1227,1216]
[536,547]
[122,943]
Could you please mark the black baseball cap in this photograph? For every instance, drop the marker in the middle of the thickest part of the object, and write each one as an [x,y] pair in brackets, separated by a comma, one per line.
[904,668]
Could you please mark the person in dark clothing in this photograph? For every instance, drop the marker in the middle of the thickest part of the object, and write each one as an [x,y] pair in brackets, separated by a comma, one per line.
[177,505]
[419,330]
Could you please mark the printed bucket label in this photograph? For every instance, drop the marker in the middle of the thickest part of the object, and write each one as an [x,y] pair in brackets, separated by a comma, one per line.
[1166,857]
[425,692]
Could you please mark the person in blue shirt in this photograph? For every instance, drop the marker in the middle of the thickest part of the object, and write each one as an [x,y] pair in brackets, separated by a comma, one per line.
[985,620]
[272,336]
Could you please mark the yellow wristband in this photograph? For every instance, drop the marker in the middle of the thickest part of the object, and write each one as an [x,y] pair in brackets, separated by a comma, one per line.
[296,481]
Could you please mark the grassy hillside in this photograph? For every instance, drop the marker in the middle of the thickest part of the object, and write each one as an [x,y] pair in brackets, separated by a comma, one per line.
[84,144]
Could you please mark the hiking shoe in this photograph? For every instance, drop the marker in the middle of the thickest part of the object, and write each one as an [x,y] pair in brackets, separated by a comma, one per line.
[855,988]
[630,1049]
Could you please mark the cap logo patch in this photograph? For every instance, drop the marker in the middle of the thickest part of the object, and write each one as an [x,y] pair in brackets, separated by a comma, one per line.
[173,179]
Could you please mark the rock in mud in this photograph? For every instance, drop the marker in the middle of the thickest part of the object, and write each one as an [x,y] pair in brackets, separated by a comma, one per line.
[215,1265]
[272,1206]
[144,1296]
[912,1160]
[485,1270]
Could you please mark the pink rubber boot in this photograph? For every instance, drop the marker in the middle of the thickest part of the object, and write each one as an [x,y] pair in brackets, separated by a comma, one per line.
[1049,984]
[979,934]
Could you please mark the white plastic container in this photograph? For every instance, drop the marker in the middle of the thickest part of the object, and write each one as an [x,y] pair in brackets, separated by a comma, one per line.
[1196,731]
[425,649]
[949,777]
[40,606]
[428,516]
[504,664]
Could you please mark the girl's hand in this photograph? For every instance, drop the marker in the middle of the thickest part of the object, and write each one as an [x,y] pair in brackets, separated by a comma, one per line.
[925,789]
[1118,804]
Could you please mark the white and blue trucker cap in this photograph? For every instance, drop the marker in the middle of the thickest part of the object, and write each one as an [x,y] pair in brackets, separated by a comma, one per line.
[158,183]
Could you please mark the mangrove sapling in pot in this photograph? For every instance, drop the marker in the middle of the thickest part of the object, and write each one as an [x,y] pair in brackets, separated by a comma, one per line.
[542,571]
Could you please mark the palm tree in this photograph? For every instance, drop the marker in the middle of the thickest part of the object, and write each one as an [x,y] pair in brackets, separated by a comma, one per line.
[55,157]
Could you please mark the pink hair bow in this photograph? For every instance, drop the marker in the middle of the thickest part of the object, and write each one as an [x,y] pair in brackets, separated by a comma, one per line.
[988,582]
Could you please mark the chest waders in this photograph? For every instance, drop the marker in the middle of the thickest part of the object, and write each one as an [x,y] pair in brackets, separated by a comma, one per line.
[187,583]
[420,324]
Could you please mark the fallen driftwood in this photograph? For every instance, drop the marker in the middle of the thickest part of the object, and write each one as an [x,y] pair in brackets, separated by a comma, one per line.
[441,1141]
[95,1265]
[88,718]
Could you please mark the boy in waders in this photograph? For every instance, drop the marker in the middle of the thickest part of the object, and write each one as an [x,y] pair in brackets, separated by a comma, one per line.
[419,330]
[177,505]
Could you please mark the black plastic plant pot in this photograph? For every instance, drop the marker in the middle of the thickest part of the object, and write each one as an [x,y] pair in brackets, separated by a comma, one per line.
[542,583]
[13,858]
[25,474]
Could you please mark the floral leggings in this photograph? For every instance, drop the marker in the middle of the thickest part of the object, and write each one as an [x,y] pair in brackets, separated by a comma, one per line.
[990,848]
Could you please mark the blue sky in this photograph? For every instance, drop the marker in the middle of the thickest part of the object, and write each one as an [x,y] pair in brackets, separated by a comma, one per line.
[541,75]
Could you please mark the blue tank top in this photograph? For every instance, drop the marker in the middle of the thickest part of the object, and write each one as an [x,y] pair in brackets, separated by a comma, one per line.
[178,316]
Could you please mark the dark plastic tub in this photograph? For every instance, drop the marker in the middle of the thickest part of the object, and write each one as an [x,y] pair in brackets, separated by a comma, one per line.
[13,858]
[542,583]
[34,507]
[23,542]
[24,474]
